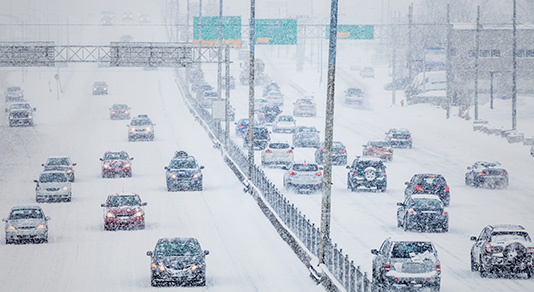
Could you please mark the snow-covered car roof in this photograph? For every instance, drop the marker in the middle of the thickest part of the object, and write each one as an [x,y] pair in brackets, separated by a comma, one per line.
[425,196]
[508,227]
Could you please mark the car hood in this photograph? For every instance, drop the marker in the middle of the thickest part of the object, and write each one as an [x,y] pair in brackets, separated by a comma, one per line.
[19,111]
[116,162]
[57,167]
[180,262]
[124,209]
[26,222]
[54,184]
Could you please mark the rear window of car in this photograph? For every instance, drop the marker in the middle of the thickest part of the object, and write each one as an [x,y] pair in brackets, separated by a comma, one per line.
[120,106]
[53,177]
[362,164]
[285,119]
[177,248]
[510,236]
[307,130]
[427,204]
[354,91]
[304,101]
[379,143]
[432,180]
[279,146]
[408,249]
[305,167]
[261,132]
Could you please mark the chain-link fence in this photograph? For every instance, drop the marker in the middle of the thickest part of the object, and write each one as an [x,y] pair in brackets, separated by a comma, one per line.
[347,275]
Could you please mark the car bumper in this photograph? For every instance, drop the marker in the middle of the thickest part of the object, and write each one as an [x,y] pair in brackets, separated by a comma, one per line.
[124,222]
[401,282]
[114,116]
[53,196]
[27,235]
[116,171]
[141,135]
[21,121]
[186,276]
[277,160]
[305,112]
[492,180]
[362,182]
[184,183]
[427,222]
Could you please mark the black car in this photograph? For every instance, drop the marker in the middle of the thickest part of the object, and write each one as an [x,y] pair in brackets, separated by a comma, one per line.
[261,138]
[504,250]
[428,183]
[422,212]
[368,173]
[183,172]
[399,137]
[178,261]
[486,174]
[268,113]
[339,153]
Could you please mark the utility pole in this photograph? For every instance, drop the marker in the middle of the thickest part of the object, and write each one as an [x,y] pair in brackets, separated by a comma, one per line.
[227,101]
[477,53]
[514,71]
[198,81]
[329,133]
[491,89]
[410,42]
[219,60]
[394,66]
[449,62]
[252,39]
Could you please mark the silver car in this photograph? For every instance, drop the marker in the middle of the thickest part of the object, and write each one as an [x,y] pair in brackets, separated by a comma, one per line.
[303,177]
[304,107]
[406,263]
[62,163]
[306,137]
[284,123]
[53,186]
[141,127]
[26,224]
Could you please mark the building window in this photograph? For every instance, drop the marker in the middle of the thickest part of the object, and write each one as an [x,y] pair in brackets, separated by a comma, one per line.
[529,54]
[520,53]
[484,53]
[495,53]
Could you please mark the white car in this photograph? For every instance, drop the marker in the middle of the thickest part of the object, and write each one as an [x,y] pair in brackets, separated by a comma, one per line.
[275,97]
[61,163]
[277,153]
[303,177]
[304,107]
[284,123]
[141,127]
[53,186]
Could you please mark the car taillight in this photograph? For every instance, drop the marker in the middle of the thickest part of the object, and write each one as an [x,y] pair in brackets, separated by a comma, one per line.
[384,173]
[483,173]
[504,173]
[445,213]
[289,151]
[322,150]
[412,211]
[268,151]
[343,150]
[418,188]
[292,173]
[447,188]
[387,267]
[409,137]
[531,249]
[438,267]
[318,173]
[488,247]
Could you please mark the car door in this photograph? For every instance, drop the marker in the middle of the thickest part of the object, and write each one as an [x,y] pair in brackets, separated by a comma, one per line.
[379,261]
[401,211]
[478,247]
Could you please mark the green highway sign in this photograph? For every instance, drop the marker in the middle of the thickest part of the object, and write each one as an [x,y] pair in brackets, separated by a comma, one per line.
[231,31]
[276,31]
[353,32]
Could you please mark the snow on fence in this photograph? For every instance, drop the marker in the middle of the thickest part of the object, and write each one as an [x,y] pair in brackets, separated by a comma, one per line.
[342,274]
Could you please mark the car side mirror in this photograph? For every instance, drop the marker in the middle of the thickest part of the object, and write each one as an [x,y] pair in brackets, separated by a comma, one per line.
[292,148]
[284,167]
[102,205]
[473,238]
[202,167]
[48,218]
[6,110]
[74,164]
[35,181]
[364,145]
[131,158]
[153,124]
[347,167]
[400,204]
[4,219]
[166,168]
[206,252]
[406,183]
[469,167]
[42,164]
[144,204]
[149,253]
[374,251]
[34,109]
[101,159]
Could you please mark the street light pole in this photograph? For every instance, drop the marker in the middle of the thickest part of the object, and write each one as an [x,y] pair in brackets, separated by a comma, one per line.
[328,136]
[514,71]
[252,38]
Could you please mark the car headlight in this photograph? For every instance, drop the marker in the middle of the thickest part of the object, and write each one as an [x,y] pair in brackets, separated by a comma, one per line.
[29,116]
[11,227]
[132,130]
[66,188]
[172,175]
[110,215]
[161,267]
[197,175]
[194,267]
[127,165]
[41,227]
[69,170]
[105,166]
[11,117]
[139,214]
[148,128]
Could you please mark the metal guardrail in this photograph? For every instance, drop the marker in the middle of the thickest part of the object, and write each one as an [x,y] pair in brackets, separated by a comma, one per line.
[347,275]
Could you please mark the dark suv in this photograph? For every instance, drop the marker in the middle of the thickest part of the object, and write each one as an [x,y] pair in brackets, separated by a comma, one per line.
[502,249]
[184,173]
[486,174]
[422,212]
[406,263]
[178,260]
[428,183]
[261,138]
[369,173]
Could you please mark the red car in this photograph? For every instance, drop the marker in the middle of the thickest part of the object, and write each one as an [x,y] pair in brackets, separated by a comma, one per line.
[380,149]
[119,111]
[124,211]
[116,163]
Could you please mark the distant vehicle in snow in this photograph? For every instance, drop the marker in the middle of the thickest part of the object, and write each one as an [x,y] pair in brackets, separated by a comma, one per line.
[486,174]
[400,84]
[277,153]
[26,224]
[61,163]
[20,114]
[422,212]
[368,173]
[399,137]
[124,211]
[262,138]
[107,17]
[184,173]
[380,149]
[180,261]
[303,177]
[119,111]
[367,72]
[306,136]
[428,183]
[284,124]
[304,107]
[427,87]
[14,93]
[503,250]
[354,95]
[141,127]
[116,163]
[339,153]
[53,186]
[100,87]
[144,17]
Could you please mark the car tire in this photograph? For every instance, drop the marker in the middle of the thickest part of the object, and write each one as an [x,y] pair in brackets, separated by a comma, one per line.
[483,272]
[129,174]
[467,182]
[199,188]
[8,241]
[445,228]
[154,283]
[405,225]
[474,266]
[170,189]
[382,188]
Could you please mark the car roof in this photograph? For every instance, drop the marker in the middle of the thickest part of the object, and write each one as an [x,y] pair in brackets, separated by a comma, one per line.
[425,196]
[26,207]
[399,130]
[123,195]
[177,239]
[373,159]
[507,227]
[49,157]
[409,238]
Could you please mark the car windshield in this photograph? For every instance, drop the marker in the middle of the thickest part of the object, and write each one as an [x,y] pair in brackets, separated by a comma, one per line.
[279,146]
[378,144]
[510,236]
[183,163]
[427,204]
[116,156]
[408,249]
[53,177]
[119,106]
[305,167]
[178,248]
[307,130]
[26,214]
[100,84]
[13,89]
[58,161]
[337,145]
[354,91]
[141,122]
[20,106]
[261,133]
[285,119]
[116,201]
[304,101]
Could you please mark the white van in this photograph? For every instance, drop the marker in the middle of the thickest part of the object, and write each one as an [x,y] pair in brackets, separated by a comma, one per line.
[427,87]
